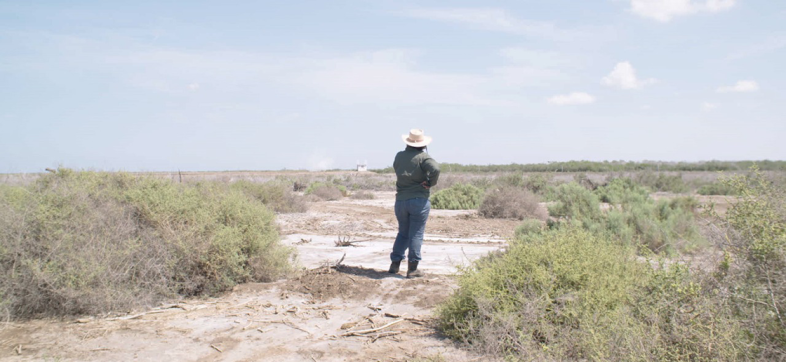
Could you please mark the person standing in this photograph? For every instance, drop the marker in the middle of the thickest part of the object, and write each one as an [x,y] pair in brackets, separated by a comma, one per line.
[416,173]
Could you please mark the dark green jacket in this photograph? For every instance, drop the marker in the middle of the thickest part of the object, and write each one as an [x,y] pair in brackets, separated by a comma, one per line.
[413,166]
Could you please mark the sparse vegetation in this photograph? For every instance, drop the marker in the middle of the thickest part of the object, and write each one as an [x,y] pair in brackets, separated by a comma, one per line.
[717,188]
[457,197]
[662,182]
[611,166]
[634,218]
[88,242]
[576,292]
[511,203]
[326,191]
[362,195]
[276,195]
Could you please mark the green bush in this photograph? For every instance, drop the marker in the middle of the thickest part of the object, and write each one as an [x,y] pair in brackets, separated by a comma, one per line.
[622,190]
[574,202]
[754,267]
[717,188]
[537,183]
[87,242]
[529,227]
[569,294]
[276,195]
[663,226]
[457,197]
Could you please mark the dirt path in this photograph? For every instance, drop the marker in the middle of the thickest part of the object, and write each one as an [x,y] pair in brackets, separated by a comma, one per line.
[310,317]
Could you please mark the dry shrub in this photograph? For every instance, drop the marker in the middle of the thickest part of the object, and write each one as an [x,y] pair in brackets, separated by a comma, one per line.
[327,191]
[86,242]
[276,195]
[511,203]
[362,195]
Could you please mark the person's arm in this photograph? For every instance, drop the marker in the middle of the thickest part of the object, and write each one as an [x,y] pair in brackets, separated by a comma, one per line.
[431,167]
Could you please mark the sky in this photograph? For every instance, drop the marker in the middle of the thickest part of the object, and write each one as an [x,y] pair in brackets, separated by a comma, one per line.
[270,85]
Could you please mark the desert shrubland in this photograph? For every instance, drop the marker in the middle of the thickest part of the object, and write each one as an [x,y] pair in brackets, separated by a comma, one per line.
[580,290]
[92,242]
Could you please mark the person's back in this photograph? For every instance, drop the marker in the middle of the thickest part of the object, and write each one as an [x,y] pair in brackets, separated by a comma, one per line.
[413,167]
[416,172]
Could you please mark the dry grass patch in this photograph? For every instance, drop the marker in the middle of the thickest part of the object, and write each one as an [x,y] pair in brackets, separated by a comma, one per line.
[512,203]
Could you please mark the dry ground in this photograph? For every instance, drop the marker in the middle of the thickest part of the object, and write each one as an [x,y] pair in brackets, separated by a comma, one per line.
[303,318]
[309,317]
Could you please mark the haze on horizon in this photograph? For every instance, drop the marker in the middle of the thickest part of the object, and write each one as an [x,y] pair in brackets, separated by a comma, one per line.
[238,85]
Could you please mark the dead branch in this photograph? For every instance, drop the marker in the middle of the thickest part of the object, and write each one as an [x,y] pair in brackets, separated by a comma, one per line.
[213,346]
[372,330]
[345,241]
[377,336]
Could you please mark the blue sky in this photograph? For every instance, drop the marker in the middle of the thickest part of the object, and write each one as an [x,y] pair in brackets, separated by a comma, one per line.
[268,85]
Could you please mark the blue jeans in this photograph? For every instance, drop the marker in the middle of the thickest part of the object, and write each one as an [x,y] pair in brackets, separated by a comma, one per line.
[412,215]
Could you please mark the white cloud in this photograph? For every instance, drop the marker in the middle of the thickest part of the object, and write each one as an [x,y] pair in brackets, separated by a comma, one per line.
[575,98]
[707,106]
[741,86]
[624,77]
[495,20]
[665,10]
[385,77]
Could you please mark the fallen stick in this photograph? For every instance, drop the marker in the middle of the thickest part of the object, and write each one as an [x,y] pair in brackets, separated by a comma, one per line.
[135,316]
[409,319]
[296,327]
[372,330]
[216,348]
[377,336]
[286,323]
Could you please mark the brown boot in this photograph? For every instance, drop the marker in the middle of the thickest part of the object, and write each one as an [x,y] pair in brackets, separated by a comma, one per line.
[412,270]
[394,267]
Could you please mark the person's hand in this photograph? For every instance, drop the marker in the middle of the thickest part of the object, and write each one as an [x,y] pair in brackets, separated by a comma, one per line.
[425,185]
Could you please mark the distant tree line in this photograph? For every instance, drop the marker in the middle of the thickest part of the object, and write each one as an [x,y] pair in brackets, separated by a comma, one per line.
[612,166]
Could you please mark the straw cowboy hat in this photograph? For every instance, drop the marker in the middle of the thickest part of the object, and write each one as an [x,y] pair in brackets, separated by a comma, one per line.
[416,138]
